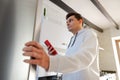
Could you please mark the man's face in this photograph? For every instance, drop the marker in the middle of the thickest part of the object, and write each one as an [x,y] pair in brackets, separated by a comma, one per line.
[73,24]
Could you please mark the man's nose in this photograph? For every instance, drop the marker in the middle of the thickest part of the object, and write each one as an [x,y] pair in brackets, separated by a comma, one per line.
[68,24]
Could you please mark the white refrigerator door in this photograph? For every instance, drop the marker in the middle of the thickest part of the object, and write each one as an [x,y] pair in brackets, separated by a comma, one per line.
[16,28]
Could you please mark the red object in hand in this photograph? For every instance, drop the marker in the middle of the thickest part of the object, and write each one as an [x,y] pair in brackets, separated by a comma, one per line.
[49,45]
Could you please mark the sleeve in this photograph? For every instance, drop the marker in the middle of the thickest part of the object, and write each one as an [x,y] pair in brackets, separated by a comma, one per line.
[83,58]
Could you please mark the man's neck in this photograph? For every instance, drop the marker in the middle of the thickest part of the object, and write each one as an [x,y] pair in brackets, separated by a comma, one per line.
[75,32]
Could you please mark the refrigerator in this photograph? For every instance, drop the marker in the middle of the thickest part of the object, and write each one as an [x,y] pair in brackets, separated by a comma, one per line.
[26,20]
[17,21]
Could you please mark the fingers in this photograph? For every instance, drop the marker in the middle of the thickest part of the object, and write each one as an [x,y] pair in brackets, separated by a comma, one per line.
[37,54]
[31,49]
[32,61]
[33,54]
[50,48]
[28,49]
[51,52]
[34,43]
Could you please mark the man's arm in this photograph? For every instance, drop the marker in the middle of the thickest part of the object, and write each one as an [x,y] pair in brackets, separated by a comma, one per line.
[82,59]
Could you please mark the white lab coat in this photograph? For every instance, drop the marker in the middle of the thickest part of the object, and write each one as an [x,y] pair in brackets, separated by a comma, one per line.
[81,60]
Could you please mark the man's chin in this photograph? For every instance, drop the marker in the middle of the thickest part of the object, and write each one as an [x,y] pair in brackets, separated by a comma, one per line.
[70,30]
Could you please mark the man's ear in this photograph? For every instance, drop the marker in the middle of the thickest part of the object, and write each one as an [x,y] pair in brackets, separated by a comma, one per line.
[80,21]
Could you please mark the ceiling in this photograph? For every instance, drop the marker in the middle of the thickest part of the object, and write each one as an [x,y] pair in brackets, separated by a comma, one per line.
[88,10]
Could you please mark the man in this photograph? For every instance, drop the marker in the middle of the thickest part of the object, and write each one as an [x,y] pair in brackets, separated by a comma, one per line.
[80,61]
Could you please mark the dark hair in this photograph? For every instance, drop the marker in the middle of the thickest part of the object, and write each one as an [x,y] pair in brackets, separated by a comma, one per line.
[77,15]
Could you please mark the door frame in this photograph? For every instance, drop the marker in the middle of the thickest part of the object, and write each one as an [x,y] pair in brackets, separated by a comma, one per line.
[117,60]
[32,73]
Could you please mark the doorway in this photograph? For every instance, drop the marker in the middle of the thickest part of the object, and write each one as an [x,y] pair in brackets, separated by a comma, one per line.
[116,49]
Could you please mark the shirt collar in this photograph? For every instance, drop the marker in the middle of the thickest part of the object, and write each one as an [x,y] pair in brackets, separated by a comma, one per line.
[80,31]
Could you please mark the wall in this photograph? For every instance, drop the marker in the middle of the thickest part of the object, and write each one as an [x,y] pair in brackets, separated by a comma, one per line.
[114,32]
[107,60]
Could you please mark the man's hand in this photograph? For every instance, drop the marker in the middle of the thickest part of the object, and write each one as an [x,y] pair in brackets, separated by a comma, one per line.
[35,50]
[51,50]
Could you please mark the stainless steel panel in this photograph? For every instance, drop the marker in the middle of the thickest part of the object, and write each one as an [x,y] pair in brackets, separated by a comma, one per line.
[16,28]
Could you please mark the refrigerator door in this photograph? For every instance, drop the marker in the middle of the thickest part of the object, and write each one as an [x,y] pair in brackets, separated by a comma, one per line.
[16,28]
